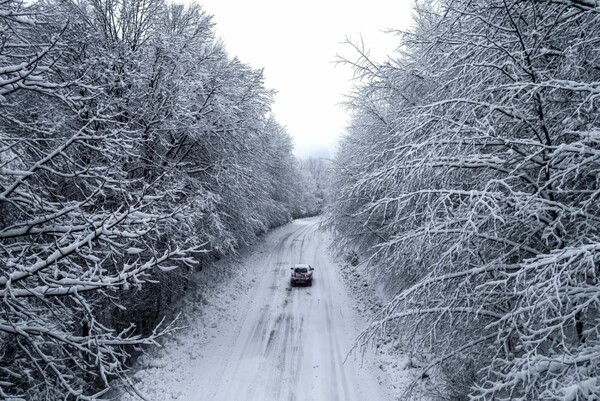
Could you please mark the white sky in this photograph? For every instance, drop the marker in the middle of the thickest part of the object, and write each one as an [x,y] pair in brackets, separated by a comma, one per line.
[296,43]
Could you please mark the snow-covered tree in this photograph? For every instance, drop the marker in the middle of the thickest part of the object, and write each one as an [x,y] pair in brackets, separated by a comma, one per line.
[470,176]
[132,147]
[77,228]
[318,173]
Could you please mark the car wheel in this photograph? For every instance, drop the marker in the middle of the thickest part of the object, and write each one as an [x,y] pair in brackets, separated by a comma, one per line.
[310,283]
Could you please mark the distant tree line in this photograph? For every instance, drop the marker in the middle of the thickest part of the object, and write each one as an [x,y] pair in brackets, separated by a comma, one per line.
[133,149]
[470,178]
[317,173]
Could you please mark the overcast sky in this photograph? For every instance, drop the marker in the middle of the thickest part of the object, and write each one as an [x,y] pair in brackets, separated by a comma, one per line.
[296,42]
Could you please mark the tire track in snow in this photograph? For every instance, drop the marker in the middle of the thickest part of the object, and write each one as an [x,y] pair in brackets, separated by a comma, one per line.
[289,344]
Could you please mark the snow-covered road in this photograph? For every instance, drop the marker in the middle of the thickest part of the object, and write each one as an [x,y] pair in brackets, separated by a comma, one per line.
[280,343]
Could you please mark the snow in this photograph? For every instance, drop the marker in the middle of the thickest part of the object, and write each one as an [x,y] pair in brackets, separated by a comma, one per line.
[397,369]
[581,390]
[251,336]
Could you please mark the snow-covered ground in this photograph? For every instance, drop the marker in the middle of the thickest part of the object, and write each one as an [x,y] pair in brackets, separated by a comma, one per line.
[253,337]
[398,370]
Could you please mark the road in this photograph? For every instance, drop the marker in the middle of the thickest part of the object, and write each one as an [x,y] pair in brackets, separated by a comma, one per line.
[286,344]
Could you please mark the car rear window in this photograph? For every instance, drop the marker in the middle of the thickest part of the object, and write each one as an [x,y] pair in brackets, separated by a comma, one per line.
[301,270]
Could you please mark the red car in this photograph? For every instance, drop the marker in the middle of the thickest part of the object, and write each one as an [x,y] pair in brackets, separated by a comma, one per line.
[302,274]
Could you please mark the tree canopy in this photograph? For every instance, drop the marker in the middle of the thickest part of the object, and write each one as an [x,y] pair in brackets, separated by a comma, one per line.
[133,150]
[469,177]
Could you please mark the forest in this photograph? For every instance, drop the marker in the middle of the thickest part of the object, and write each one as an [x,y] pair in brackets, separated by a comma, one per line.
[133,151]
[469,180]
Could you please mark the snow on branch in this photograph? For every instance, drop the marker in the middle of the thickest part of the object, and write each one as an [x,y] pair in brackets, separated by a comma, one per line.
[469,180]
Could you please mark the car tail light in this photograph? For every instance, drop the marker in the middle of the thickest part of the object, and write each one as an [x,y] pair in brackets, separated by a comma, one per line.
[293,274]
[308,275]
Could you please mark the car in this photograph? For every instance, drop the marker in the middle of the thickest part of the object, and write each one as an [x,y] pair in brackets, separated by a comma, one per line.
[302,274]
